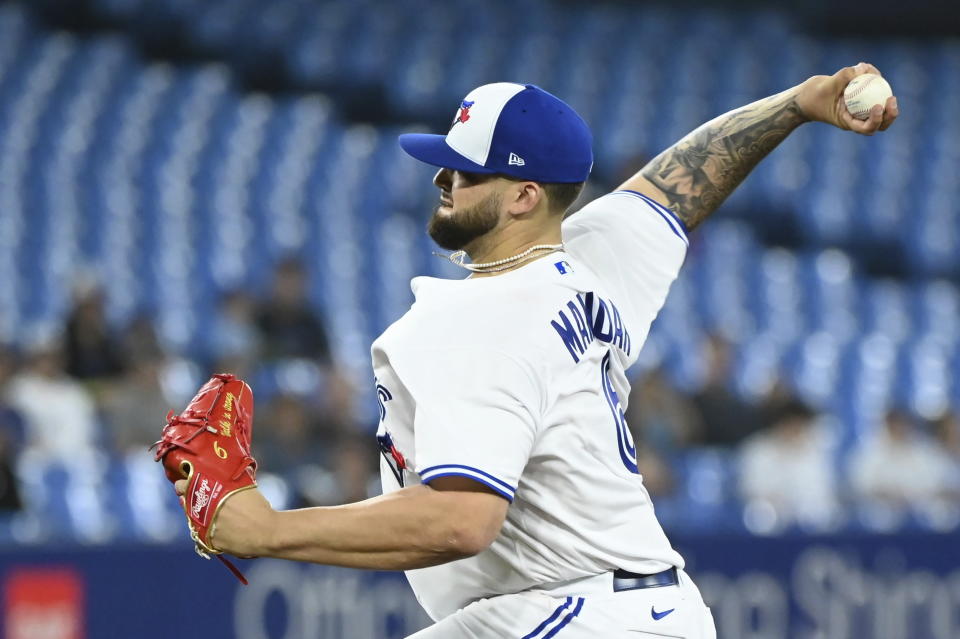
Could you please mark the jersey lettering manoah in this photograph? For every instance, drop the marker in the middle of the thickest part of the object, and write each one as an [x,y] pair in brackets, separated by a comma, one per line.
[517,381]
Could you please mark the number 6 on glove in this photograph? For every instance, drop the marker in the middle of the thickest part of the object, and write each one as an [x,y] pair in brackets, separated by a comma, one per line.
[208,444]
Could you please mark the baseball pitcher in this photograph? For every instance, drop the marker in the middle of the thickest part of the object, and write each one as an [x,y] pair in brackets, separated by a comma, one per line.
[511,492]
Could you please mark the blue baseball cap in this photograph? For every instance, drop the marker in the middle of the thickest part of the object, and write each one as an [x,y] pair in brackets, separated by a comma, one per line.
[518,130]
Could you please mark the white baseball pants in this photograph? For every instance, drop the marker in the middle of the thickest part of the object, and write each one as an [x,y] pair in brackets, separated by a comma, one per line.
[592,611]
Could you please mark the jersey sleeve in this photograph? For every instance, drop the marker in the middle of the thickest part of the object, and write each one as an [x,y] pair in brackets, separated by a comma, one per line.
[477,415]
[634,245]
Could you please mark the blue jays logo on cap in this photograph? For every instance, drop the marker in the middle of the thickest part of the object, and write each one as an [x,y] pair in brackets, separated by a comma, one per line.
[518,130]
[464,113]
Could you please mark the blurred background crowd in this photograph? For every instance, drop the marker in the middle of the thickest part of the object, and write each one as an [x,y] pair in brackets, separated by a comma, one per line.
[198,186]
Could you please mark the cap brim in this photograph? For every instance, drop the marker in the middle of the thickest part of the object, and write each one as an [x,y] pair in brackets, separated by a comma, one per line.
[433,149]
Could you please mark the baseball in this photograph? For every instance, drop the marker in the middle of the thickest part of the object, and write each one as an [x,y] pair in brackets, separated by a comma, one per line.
[863,92]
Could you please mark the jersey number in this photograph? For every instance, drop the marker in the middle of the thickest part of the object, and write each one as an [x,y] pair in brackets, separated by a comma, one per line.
[628,451]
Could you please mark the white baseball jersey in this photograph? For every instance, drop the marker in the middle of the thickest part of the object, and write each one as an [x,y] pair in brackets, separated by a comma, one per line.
[517,381]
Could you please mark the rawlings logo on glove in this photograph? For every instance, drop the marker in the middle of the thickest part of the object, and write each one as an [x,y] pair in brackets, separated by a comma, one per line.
[208,444]
[200,498]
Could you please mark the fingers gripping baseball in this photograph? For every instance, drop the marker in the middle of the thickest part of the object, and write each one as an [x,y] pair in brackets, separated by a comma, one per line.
[822,98]
[870,98]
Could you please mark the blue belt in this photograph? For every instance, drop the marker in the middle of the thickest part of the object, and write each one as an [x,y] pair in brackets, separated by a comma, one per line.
[625,580]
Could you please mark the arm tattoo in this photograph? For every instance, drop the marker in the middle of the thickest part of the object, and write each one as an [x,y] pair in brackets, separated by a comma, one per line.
[701,170]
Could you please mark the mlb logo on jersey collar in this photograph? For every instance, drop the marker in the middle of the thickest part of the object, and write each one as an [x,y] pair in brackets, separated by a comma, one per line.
[564,267]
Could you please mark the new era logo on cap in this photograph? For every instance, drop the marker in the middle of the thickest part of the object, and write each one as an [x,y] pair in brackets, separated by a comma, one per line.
[514,129]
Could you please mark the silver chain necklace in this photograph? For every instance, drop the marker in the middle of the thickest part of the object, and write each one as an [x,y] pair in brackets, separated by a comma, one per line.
[457,258]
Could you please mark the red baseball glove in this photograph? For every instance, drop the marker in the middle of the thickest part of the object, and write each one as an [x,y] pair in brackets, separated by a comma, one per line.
[208,444]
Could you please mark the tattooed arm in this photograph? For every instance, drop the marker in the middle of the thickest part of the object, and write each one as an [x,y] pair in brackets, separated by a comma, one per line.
[695,175]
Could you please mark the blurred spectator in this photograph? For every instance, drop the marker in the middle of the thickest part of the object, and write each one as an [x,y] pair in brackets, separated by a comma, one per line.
[661,417]
[726,418]
[236,336]
[355,466]
[291,329]
[787,471]
[11,437]
[136,406]
[291,441]
[663,423]
[288,325]
[658,475]
[902,468]
[140,340]
[91,350]
[59,413]
[947,431]
[291,435]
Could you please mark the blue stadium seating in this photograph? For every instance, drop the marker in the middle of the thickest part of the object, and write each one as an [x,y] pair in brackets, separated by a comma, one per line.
[134,170]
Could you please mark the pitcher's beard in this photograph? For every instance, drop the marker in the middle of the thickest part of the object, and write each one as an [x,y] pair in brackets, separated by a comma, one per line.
[458,228]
